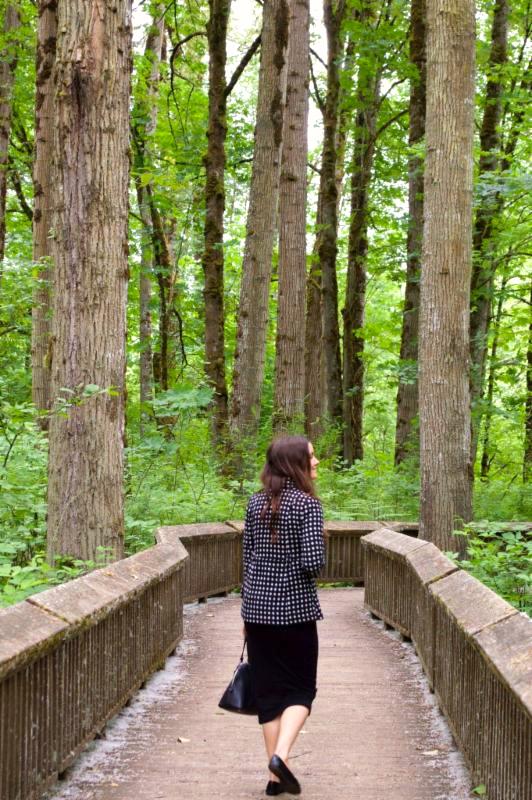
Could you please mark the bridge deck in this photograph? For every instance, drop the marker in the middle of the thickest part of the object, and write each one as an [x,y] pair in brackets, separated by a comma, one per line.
[374,732]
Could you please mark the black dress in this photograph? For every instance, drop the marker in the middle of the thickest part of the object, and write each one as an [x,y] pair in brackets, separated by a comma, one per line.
[284,661]
[280,605]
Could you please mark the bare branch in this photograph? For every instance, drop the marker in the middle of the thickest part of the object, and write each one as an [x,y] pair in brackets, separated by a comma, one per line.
[242,66]
[318,98]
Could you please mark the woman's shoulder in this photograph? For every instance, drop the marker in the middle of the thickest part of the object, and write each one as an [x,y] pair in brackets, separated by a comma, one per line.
[257,500]
[302,499]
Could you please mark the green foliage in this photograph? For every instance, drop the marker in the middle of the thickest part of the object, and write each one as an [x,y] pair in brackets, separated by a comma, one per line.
[20,581]
[173,475]
[501,557]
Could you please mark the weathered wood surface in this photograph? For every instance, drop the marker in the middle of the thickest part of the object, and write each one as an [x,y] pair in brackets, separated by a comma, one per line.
[476,650]
[71,656]
[374,732]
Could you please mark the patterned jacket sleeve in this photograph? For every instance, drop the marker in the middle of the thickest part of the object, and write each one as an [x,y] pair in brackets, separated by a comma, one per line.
[312,541]
[247,545]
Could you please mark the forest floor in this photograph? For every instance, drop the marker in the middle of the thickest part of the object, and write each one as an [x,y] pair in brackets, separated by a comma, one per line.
[374,732]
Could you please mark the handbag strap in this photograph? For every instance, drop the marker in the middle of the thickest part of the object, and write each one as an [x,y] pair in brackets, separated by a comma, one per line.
[243,648]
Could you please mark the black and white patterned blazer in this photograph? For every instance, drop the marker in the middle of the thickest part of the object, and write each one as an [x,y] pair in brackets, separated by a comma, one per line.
[278,586]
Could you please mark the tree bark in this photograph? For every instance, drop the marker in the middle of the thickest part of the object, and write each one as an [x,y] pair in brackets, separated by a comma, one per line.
[8,63]
[253,312]
[166,277]
[42,206]
[90,174]
[213,258]
[488,211]
[355,297]
[445,434]
[326,241]
[144,124]
[485,461]
[315,382]
[406,434]
[290,340]
[527,458]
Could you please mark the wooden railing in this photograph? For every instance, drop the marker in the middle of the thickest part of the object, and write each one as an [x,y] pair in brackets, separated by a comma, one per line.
[71,656]
[475,648]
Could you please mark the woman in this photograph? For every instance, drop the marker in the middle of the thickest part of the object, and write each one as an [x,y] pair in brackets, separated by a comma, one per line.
[283,553]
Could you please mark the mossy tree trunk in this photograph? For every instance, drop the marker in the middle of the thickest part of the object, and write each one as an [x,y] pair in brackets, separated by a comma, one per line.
[253,312]
[355,296]
[527,459]
[213,256]
[42,205]
[486,458]
[144,122]
[8,63]
[406,433]
[326,238]
[290,340]
[90,177]
[487,214]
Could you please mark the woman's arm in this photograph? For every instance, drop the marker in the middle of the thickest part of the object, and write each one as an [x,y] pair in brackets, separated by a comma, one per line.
[247,545]
[312,541]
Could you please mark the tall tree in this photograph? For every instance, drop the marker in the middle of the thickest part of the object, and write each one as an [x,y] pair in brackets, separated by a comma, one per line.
[365,135]
[527,459]
[42,205]
[446,272]
[326,237]
[91,174]
[248,372]
[488,210]
[213,258]
[290,340]
[485,461]
[143,125]
[8,62]
[407,392]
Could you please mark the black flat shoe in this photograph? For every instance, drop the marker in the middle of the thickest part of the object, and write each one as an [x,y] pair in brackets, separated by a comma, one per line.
[287,778]
[273,788]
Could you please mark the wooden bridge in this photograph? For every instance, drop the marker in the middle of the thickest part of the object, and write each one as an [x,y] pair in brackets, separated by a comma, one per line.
[73,656]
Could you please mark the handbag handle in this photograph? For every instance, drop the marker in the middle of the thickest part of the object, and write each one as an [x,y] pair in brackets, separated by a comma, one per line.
[243,648]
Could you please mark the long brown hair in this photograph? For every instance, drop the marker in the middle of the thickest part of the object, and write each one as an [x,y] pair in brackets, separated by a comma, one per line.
[287,459]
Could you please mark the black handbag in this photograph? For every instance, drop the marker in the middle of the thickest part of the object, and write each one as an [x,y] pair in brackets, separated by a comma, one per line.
[239,695]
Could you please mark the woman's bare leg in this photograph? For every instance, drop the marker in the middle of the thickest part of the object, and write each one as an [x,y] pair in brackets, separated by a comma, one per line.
[291,721]
[270,731]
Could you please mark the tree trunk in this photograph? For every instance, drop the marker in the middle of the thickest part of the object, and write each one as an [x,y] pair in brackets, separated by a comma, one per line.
[8,63]
[315,397]
[486,458]
[488,211]
[144,123]
[166,277]
[248,372]
[527,459]
[42,206]
[213,257]
[406,436]
[355,296]
[290,340]
[90,178]
[326,244]
[445,434]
